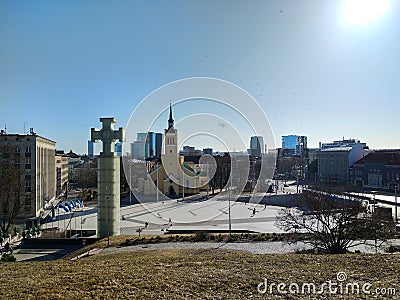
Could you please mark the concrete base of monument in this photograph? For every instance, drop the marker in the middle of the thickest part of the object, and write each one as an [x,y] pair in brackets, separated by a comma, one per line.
[108,179]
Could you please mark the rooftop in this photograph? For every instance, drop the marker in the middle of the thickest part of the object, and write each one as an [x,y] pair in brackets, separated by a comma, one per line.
[336,149]
[5,136]
[387,158]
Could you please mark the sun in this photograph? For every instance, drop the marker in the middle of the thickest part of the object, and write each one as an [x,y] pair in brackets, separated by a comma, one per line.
[361,12]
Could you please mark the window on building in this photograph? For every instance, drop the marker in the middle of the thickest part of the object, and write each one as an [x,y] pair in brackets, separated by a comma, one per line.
[27,160]
[28,149]
[17,149]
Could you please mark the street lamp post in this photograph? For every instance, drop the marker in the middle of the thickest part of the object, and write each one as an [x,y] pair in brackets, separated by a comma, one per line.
[81,220]
[58,217]
[130,181]
[395,203]
[75,224]
[183,183]
[373,217]
[208,181]
[157,182]
[229,205]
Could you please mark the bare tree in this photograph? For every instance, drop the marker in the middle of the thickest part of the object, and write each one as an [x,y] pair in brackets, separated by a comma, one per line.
[11,191]
[222,171]
[334,224]
[87,176]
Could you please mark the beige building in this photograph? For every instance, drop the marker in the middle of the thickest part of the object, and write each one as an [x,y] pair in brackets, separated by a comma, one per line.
[61,174]
[35,155]
[173,177]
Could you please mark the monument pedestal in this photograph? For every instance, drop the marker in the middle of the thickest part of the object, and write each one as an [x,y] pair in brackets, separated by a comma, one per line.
[108,179]
[108,182]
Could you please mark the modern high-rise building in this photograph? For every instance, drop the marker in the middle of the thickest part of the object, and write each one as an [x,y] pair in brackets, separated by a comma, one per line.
[138,149]
[159,141]
[90,149]
[256,146]
[118,149]
[147,145]
[34,156]
[294,145]
[151,144]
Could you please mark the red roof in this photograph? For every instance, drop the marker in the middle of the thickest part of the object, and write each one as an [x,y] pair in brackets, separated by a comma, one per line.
[387,158]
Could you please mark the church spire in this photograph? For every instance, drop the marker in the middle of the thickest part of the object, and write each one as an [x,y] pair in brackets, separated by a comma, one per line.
[170,120]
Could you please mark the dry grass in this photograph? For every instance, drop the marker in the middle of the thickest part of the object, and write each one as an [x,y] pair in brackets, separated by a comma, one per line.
[127,240]
[187,274]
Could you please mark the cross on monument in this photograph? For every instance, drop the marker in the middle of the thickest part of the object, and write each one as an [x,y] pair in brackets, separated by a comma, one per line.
[108,136]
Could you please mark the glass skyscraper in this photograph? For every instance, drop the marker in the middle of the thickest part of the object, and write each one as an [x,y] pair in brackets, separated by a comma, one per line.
[147,145]
[256,146]
[294,145]
[90,149]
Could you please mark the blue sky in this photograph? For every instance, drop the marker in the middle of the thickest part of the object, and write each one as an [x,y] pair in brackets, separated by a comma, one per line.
[64,64]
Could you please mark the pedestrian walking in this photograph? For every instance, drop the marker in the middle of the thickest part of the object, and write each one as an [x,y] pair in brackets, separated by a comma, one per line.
[7,247]
[254,211]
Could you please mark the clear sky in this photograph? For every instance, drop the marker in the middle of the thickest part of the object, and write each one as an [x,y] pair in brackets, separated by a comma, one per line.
[325,69]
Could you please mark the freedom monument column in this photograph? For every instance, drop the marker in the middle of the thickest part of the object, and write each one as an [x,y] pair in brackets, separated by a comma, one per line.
[108,178]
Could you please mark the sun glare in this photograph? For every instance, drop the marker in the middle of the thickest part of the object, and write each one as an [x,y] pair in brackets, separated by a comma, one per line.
[362,12]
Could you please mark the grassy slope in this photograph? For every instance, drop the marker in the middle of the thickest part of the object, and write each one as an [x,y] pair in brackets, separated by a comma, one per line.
[183,274]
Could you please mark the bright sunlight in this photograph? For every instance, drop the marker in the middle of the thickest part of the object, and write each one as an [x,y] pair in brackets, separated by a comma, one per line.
[362,12]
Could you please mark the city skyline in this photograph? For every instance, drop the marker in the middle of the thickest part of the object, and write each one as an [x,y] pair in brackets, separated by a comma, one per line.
[317,69]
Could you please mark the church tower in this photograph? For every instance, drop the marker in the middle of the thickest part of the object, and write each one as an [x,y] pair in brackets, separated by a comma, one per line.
[173,178]
[171,137]
[171,159]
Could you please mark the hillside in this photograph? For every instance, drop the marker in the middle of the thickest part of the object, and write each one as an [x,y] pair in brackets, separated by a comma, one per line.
[190,274]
